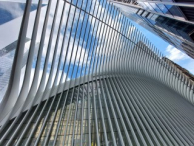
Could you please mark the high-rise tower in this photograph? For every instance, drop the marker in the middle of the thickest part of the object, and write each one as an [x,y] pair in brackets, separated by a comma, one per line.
[171,20]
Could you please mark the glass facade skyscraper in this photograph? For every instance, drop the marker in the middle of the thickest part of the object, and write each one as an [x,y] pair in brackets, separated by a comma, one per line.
[83,74]
[171,20]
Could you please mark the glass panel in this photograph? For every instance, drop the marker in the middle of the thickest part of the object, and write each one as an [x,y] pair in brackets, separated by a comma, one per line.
[163,8]
[149,6]
[143,5]
[139,12]
[174,10]
[145,13]
[150,16]
[156,8]
[154,17]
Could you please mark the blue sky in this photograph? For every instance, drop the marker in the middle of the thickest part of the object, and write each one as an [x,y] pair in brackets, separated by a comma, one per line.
[15,10]
[168,50]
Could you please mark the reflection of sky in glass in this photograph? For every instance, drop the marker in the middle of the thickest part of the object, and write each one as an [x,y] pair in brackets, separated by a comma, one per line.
[163,8]
[155,7]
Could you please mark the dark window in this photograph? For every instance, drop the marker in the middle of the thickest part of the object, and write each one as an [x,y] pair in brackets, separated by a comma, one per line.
[192,36]
[188,12]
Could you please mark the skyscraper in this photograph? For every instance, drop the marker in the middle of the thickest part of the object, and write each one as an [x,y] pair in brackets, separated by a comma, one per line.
[171,20]
[87,76]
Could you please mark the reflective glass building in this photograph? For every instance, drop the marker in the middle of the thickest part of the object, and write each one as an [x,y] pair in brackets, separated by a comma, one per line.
[81,74]
[172,20]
